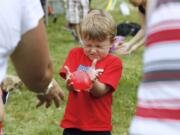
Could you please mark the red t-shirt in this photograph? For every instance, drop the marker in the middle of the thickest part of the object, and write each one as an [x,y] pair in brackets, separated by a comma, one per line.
[1,129]
[83,111]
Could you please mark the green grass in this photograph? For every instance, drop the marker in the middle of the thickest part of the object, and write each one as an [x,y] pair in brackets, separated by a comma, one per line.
[22,118]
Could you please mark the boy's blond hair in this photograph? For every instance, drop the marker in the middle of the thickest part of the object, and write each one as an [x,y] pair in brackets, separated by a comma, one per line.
[98,25]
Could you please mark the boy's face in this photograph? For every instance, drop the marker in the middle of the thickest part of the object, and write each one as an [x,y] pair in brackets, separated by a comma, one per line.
[96,49]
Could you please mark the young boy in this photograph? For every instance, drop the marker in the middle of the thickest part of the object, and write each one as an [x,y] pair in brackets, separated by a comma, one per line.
[89,113]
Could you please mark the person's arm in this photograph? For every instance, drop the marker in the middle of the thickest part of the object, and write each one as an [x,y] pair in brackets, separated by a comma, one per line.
[106,81]
[136,39]
[130,46]
[33,65]
[136,42]
[32,61]
[136,46]
[100,89]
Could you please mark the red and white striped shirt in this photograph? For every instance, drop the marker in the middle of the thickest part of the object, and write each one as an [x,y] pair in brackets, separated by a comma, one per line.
[158,109]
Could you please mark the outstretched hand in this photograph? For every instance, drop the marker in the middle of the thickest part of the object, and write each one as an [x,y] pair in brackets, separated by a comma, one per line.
[122,49]
[69,83]
[55,95]
[93,72]
[68,73]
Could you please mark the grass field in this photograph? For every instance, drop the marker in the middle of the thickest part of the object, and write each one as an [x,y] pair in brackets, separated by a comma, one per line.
[22,118]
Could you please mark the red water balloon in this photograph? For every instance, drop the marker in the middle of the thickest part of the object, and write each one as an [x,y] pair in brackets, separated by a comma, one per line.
[81,80]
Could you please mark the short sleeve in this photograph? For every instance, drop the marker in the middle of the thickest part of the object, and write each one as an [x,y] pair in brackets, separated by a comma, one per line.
[31,15]
[112,73]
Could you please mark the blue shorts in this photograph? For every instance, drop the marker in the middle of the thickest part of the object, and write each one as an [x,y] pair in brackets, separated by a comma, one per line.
[74,131]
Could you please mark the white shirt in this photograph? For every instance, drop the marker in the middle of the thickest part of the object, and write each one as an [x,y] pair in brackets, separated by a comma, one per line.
[16,18]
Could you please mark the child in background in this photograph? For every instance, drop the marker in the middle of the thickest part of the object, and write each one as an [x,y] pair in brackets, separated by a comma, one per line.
[76,11]
[90,113]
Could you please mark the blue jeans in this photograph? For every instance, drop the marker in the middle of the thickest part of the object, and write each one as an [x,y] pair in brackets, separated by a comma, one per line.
[74,131]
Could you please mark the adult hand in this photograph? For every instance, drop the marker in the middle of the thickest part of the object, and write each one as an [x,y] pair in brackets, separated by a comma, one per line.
[93,72]
[122,49]
[56,94]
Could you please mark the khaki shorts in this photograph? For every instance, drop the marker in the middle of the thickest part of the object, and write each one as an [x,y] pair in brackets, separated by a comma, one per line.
[75,9]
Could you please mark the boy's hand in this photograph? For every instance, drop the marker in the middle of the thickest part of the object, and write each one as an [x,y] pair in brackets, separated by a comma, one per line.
[68,73]
[68,79]
[93,72]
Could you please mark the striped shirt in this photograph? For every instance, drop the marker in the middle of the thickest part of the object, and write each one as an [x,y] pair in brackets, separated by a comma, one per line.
[158,108]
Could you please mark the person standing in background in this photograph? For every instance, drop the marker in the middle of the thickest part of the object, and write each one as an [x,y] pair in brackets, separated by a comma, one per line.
[76,11]
[158,106]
